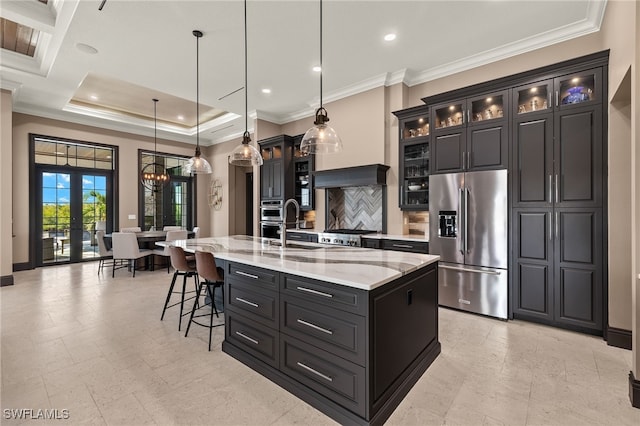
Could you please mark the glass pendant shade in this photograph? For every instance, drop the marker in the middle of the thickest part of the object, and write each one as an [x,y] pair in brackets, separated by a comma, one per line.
[321,138]
[197,164]
[245,155]
[154,176]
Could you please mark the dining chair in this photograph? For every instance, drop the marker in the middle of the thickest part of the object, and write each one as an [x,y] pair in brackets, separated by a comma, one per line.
[172,228]
[131,229]
[213,277]
[196,232]
[125,247]
[171,236]
[104,252]
[182,267]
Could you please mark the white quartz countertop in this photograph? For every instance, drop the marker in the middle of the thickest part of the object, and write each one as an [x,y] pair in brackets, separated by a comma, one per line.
[353,267]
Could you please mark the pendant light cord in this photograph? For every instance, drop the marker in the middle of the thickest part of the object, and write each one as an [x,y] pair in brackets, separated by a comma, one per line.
[198,92]
[246,91]
[321,68]
[155,129]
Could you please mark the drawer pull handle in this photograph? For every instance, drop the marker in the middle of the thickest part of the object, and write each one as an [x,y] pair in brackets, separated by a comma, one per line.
[403,246]
[240,299]
[244,274]
[316,372]
[315,327]
[244,336]
[312,291]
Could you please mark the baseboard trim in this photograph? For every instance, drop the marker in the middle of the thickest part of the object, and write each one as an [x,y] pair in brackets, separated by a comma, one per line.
[25,266]
[6,280]
[634,391]
[619,337]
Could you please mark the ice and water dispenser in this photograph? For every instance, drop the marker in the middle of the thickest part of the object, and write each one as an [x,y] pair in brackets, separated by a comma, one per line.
[447,224]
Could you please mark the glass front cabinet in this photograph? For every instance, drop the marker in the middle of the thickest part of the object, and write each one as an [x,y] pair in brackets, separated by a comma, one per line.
[414,158]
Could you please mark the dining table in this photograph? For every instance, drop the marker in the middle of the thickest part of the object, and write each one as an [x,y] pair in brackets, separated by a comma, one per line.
[146,239]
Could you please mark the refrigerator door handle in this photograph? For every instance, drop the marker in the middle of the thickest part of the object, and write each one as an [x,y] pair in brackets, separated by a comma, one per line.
[477,271]
[460,215]
[466,219]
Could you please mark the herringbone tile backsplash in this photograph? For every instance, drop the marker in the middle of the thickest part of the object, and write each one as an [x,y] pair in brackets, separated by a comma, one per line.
[359,207]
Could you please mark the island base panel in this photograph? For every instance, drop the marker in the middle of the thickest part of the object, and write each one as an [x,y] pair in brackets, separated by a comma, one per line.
[325,405]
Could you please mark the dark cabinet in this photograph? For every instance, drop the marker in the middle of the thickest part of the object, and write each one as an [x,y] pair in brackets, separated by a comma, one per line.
[405,245]
[308,237]
[558,267]
[276,178]
[558,198]
[303,167]
[470,134]
[414,159]
[335,346]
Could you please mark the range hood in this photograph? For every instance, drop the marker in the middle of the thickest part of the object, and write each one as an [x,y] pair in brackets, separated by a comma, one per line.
[373,174]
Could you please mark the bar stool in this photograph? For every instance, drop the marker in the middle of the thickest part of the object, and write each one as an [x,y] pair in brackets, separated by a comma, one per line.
[213,278]
[181,267]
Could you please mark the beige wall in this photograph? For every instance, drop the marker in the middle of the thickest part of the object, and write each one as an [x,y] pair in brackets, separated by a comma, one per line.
[635,188]
[6,185]
[360,122]
[127,169]
[618,24]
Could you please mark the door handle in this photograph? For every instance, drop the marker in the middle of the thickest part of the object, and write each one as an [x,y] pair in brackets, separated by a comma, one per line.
[550,227]
[460,215]
[462,160]
[556,188]
[475,271]
[550,188]
[466,220]
[556,98]
[557,225]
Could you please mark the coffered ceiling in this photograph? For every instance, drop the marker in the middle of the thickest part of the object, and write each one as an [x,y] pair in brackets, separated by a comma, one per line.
[103,67]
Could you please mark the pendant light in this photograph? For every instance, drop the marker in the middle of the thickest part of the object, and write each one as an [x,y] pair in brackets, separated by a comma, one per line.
[320,139]
[154,176]
[245,155]
[197,164]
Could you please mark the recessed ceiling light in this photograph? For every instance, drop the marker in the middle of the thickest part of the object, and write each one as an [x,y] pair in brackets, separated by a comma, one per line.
[85,48]
[266,91]
[317,68]
[181,117]
[93,97]
[390,37]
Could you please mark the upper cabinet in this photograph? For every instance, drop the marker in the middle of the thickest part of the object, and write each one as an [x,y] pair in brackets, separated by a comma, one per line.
[470,134]
[414,158]
[303,166]
[276,179]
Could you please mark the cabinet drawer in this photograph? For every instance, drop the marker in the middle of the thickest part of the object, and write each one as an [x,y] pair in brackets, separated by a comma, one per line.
[338,379]
[263,277]
[332,295]
[408,246]
[372,243]
[254,338]
[259,306]
[302,236]
[338,332]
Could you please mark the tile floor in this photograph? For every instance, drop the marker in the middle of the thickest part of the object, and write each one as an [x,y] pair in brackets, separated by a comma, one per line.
[95,346]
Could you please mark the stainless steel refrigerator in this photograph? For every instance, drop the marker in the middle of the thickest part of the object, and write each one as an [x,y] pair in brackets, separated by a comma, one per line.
[469,230]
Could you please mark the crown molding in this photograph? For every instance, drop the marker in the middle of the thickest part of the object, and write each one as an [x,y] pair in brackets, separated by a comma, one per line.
[10,85]
[568,32]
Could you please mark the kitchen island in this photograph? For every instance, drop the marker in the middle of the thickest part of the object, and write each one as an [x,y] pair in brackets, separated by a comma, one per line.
[348,330]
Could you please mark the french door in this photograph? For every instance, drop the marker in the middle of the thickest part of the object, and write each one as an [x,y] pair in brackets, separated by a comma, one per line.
[71,205]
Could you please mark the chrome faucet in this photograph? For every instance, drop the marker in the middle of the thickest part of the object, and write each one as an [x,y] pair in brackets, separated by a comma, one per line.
[283,225]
